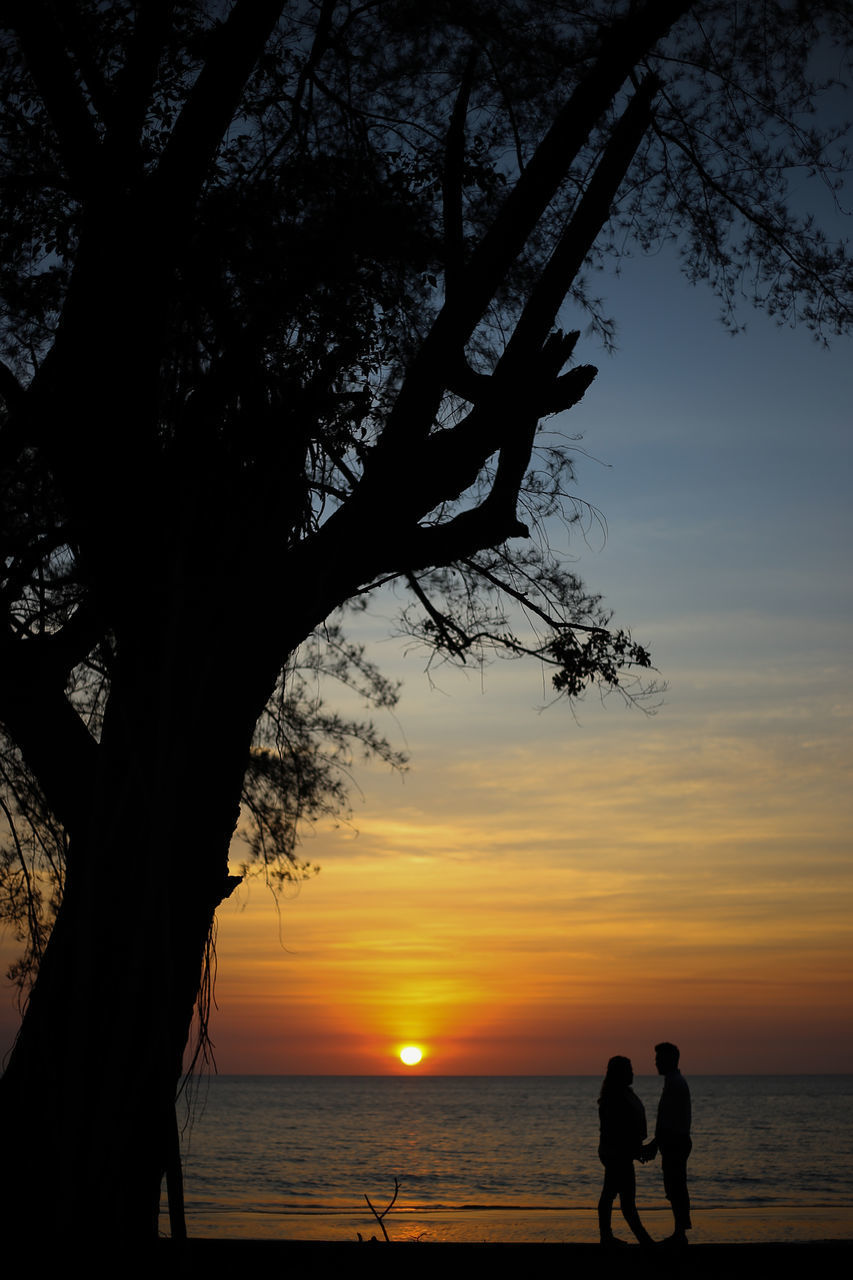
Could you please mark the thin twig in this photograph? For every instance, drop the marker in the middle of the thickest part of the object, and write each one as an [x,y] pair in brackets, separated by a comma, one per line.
[390,1205]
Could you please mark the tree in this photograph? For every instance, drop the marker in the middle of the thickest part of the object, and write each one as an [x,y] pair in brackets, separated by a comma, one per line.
[281,293]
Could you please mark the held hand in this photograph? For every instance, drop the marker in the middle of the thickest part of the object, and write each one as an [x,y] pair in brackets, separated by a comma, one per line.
[648,1152]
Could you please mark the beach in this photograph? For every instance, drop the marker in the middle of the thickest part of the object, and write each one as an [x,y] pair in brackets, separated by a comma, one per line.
[509,1160]
[248,1258]
[717,1227]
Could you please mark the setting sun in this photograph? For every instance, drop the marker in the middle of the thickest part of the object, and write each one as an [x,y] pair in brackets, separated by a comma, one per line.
[411,1055]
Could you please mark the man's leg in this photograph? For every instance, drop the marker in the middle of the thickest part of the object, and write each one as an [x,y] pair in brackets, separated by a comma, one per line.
[674,1163]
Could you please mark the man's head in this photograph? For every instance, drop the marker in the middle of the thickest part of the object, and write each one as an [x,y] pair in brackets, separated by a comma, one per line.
[666,1057]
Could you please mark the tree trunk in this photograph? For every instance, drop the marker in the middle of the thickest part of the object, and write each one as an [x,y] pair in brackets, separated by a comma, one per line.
[87,1100]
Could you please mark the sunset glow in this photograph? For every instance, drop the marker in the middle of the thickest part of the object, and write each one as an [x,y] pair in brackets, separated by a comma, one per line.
[540,890]
[411,1055]
[537,928]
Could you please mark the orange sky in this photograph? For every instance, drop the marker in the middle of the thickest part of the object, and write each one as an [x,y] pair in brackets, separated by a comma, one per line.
[539,892]
[568,892]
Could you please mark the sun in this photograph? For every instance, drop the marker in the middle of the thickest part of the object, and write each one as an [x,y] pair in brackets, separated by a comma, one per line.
[411,1055]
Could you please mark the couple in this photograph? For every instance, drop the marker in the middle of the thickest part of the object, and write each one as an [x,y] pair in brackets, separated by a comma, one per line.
[623,1133]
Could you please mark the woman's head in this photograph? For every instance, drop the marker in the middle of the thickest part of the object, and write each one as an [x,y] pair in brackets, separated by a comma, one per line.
[620,1074]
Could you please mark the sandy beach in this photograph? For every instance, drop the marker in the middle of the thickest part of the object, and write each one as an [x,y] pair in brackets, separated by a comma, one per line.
[748,1226]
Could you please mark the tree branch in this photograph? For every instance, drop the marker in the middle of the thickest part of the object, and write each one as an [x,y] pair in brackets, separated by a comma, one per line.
[487,525]
[758,218]
[55,743]
[445,627]
[213,100]
[451,191]
[527,374]
[622,47]
[547,295]
[133,83]
[10,388]
[50,66]
[77,42]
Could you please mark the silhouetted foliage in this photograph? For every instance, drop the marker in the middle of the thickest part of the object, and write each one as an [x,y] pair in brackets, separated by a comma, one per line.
[284,292]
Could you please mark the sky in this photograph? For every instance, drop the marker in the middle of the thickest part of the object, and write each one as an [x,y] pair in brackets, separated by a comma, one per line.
[546,886]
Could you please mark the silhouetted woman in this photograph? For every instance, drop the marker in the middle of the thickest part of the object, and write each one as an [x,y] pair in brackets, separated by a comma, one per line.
[623,1131]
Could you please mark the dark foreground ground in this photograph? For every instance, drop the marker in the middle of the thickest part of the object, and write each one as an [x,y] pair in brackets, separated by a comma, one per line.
[245,1259]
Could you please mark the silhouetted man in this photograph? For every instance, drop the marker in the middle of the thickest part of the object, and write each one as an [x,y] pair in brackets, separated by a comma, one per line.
[672,1139]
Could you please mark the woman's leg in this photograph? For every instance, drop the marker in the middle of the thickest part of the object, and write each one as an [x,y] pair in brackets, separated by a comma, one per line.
[628,1204]
[605,1204]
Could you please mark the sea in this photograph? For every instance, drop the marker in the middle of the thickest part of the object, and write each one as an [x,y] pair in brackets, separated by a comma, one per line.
[503,1158]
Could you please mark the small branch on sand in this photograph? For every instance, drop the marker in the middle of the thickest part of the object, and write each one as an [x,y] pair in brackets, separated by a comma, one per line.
[380,1216]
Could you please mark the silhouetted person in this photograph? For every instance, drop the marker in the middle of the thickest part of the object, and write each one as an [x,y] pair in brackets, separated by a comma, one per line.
[672,1139]
[622,1119]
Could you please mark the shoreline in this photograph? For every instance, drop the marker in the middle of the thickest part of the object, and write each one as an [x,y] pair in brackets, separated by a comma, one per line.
[748,1226]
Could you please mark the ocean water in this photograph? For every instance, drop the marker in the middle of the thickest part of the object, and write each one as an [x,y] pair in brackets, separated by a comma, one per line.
[268,1154]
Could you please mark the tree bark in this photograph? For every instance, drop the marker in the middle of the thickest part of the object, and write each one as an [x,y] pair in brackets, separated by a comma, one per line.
[87,1099]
